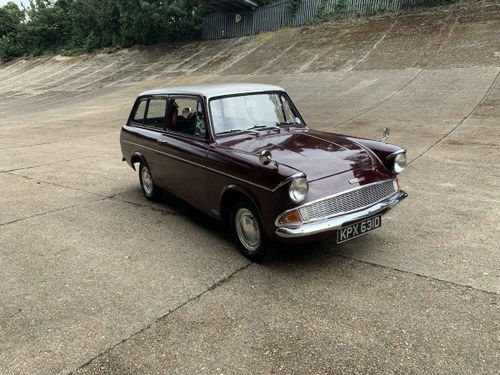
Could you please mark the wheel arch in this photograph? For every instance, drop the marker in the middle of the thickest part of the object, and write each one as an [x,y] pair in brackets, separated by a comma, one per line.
[230,196]
[137,158]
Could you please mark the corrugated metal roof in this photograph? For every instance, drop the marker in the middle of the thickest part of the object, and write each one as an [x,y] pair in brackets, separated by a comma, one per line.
[231,5]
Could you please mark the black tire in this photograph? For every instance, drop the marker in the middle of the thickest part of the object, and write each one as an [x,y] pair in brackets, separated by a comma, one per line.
[149,188]
[247,231]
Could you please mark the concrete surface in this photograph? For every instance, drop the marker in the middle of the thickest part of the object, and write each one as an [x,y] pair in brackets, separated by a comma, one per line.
[94,279]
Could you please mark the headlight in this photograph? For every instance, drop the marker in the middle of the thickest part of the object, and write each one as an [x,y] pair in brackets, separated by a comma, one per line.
[399,163]
[298,189]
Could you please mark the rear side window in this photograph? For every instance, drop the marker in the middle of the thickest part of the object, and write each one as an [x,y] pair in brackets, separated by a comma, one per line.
[155,116]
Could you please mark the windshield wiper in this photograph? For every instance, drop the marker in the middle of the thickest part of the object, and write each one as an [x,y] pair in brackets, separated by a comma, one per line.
[231,131]
[262,127]
[254,128]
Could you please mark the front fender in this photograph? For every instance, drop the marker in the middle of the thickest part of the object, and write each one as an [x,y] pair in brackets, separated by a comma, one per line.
[384,151]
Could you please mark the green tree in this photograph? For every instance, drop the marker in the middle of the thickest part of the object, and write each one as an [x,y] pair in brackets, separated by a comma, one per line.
[152,21]
[95,24]
[10,18]
[84,25]
[49,26]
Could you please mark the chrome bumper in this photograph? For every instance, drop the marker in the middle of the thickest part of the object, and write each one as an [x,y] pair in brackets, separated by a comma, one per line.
[336,222]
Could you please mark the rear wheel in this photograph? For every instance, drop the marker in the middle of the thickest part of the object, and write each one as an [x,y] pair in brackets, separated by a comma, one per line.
[247,231]
[149,188]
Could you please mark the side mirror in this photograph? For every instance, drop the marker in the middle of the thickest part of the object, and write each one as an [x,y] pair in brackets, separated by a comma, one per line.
[385,134]
[265,157]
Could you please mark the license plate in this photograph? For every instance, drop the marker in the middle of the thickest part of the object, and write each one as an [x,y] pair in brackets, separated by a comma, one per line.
[357,229]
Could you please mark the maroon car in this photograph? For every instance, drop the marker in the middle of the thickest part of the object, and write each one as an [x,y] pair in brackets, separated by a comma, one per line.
[243,154]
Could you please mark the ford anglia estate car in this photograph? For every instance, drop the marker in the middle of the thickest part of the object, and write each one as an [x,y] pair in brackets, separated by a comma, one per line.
[243,154]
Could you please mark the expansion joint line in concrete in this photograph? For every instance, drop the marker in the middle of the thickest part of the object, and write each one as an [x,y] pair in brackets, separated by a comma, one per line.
[155,209]
[218,283]
[90,137]
[440,45]
[383,101]
[47,212]
[419,275]
[57,185]
[460,122]
[99,197]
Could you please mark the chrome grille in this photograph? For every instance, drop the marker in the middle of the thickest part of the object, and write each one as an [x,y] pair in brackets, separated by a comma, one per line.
[350,201]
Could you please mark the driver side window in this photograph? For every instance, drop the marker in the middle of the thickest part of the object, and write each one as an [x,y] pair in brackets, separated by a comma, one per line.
[187,117]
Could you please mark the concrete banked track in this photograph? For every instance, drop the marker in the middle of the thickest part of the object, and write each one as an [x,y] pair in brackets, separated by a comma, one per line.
[94,279]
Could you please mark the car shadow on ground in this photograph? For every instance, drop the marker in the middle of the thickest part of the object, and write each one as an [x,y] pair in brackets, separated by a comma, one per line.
[316,253]
[322,253]
[174,205]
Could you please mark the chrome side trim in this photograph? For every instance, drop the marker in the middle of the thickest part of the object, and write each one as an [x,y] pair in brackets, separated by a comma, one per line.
[240,179]
[284,182]
[165,154]
[335,223]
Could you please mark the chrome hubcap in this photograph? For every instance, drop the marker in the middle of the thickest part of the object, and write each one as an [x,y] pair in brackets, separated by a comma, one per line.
[247,229]
[147,181]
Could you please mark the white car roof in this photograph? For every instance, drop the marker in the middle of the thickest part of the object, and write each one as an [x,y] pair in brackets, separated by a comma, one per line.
[214,89]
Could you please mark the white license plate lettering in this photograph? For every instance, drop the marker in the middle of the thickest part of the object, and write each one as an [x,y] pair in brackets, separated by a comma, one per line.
[358,229]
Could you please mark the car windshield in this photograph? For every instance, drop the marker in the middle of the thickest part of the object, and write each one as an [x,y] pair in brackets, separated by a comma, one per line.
[252,112]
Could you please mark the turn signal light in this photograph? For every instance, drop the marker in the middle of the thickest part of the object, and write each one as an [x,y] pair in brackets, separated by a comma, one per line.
[292,217]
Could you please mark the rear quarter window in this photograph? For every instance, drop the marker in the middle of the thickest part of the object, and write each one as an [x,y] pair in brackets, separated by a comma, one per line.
[150,112]
[140,111]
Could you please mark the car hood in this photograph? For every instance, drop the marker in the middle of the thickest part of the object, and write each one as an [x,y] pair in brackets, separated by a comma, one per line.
[316,154]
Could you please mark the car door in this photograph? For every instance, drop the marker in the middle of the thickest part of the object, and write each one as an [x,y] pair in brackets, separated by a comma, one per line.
[183,150]
[146,125]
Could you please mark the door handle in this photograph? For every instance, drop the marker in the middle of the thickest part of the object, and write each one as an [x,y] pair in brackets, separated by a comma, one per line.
[162,141]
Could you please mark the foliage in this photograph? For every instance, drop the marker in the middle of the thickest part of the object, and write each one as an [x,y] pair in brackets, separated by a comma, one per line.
[76,26]
[10,17]
[321,14]
[340,9]
[293,6]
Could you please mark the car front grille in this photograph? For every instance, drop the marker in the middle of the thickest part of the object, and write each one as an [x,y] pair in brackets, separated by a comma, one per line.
[347,202]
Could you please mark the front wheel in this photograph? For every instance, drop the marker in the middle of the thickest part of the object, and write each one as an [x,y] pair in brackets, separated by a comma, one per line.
[149,188]
[247,231]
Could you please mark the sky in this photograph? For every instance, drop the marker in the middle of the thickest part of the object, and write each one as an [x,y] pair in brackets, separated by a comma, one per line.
[18,2]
